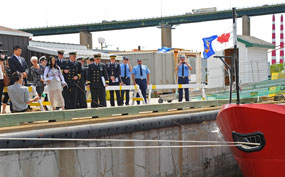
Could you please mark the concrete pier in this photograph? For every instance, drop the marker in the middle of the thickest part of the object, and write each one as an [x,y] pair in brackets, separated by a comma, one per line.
[86,39]
[163,162]
[166,40]
[245,25]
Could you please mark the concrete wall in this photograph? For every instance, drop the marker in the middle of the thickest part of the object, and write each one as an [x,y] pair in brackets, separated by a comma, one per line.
[190,162]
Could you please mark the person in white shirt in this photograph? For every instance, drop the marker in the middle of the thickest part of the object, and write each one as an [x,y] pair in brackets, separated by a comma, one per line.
[55,80]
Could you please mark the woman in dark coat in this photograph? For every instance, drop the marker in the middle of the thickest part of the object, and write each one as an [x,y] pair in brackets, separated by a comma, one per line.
[37,72]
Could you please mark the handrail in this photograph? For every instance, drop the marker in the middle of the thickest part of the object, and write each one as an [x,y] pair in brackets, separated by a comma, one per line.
[67,115]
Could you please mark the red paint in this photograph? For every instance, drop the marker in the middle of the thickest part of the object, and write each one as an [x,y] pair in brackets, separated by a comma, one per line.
[281,41]
[224,37]
[248,118]
[273,53]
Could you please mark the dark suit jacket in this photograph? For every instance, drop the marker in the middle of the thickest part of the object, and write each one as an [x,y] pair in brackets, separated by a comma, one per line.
[60,64]
[95,74]
[15,65]
[75,69]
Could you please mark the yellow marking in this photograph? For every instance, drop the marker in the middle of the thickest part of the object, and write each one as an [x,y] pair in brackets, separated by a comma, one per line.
[30,89]
[5,89]
[136,87]
[44,103]
[208,49]
[137,99]
[120,87]
[153,86]
[35,104]
[179,85]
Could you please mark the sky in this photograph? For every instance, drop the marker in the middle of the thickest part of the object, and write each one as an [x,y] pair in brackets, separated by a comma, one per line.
[35,13]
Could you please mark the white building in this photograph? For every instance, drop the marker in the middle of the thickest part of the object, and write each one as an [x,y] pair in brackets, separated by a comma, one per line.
[40,48]
[253,62]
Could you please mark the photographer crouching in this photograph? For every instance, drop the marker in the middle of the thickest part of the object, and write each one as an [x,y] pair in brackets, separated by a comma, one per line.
[19,94]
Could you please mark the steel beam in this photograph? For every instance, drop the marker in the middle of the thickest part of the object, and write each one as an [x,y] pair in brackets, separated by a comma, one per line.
[171,20]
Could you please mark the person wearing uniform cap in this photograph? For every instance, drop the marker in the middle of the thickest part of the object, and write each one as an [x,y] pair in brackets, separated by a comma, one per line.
[114,72]
[72,73]
[87,60]
[43,61]
[43,64]
[140,76]
[60,61]
[98,80]
[91,60]
[126,69]
[60,58]
[82,103]
[182,70]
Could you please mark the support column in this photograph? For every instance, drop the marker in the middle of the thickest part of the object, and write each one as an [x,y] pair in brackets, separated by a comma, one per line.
[86,39]
[166,36]
[245,25]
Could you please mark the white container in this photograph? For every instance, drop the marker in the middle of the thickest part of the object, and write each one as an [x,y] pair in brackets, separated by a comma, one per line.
[162,65]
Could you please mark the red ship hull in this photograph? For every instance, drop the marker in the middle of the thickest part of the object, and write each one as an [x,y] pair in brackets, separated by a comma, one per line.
[269,120]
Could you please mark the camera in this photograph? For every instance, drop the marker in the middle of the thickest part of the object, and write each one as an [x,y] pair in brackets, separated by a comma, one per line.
[3,55]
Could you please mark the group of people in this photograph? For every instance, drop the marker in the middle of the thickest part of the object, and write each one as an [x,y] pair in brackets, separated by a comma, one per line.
[66,80]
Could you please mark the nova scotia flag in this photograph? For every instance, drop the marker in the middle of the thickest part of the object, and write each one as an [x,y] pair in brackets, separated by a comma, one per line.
[208,50]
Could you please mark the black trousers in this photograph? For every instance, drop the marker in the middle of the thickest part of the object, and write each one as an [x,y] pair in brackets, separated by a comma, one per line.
[6,98]
[119,101]
[126,81]
[40,90]
[81,99]
[143,87]
[183,80]
[1,92]
[71,97]
[98,96]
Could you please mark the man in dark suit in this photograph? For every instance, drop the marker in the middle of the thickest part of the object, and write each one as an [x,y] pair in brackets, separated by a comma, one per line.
[98,80]
[18,63]
[114,73]
[60,58]
[72,73]
[82,102]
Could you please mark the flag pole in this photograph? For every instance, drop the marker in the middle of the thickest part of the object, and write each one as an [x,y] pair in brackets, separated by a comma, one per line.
[236,60]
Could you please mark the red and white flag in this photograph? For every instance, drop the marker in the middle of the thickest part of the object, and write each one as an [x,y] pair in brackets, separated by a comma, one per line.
[224,40]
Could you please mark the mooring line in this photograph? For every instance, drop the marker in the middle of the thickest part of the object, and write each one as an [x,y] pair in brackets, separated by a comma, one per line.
[126,140]
[110,148]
